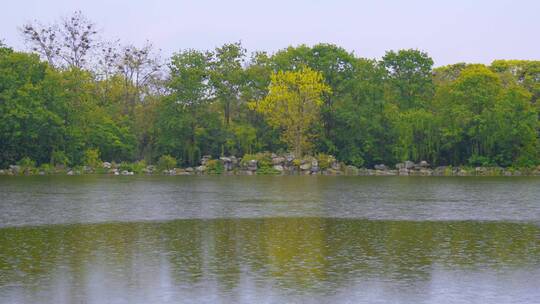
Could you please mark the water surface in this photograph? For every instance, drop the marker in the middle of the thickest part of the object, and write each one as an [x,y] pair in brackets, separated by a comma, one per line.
[99,239]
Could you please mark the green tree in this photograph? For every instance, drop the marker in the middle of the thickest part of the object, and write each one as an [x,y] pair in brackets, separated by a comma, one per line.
[409,77]
[293,104]
[226,77]
[188,123]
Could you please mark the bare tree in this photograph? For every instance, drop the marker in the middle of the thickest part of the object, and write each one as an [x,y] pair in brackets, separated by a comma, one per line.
[64,44]
[140,68]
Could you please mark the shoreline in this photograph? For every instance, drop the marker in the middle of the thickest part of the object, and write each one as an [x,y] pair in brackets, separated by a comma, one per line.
[268,164]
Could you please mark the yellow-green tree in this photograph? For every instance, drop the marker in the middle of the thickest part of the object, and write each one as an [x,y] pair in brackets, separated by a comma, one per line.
[293,104]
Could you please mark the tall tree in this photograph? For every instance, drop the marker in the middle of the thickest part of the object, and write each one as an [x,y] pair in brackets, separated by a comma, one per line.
[293,104]
[64,44]
[140,69]
[409,77]
[226,76]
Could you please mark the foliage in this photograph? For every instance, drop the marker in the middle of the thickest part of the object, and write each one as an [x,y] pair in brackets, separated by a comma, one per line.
[59,158]
[166,162]
[122,102]
[27,163]
[214,166]
[92,158]
[293,103]
[325,160]
[46,168]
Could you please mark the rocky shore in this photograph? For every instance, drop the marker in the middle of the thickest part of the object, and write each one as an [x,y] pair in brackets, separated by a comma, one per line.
[286,164]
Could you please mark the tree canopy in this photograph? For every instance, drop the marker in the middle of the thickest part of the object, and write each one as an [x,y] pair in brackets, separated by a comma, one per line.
[61,100]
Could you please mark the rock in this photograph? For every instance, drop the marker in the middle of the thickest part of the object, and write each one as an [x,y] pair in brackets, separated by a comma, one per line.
[41,173]
[278,160]
[2,172]
[400,166]
[391,172]
[149,169]
[125,172]
[15,169]
[462,172]
[70,172]
[351,170]
[278,168]
[205,159]
[116,173]
[403,171]
[107,165]
[331,171]
[305,166]
[290,158]
[335,166]
[424,164]
[227,163]
[381,167]
[189,169]
[440,171]
[409,164]
[252,165]
[200,169]
[315,169]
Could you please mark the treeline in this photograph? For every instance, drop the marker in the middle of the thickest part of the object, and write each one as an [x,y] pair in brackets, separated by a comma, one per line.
[74,94]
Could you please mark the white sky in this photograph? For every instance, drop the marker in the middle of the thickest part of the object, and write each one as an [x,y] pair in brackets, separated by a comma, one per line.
[450,31]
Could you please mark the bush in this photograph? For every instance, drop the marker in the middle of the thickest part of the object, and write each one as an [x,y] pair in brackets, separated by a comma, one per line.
[139,166]
[214,166]
[267,171]
[166,162]
[59,158]
[478,160]
[325,160]
[28,165]
[46,168]
[92,158]
[264,161]
[246,159]
[125,166]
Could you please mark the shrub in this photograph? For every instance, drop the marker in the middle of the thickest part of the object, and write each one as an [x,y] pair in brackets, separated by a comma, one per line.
[264,161]
[166,162]
[59,158]
[28,165]
[247,158]
[46,168]
[139,166]
[92,158]
[125,166]
[267,171]
[478,160]
[357,161]
[324,160]
[214,166]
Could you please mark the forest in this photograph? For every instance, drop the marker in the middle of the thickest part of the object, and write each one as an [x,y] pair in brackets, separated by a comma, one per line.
[72,94]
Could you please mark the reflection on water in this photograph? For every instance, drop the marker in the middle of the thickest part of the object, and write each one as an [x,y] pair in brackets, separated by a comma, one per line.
[271,260]
[97,239]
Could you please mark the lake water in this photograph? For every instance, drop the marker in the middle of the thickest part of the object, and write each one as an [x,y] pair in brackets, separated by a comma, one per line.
[256,239]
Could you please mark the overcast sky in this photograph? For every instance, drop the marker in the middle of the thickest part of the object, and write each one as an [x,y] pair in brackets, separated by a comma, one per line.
[449,30]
